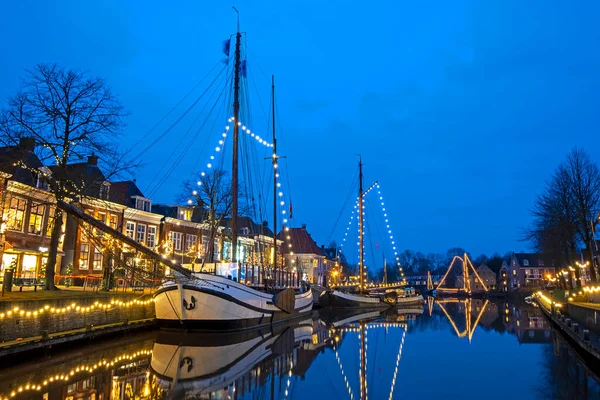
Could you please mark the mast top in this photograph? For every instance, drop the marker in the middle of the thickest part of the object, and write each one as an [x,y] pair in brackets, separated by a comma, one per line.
[238,18]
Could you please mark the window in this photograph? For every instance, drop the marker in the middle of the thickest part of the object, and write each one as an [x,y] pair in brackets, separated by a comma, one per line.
[141,233]
[245,230]
[16,213]
[101,217]
[526,263]
[104,191]
[151,236]
[175,238]
[36,218]
[51,214]
[130,229]
[97,265]
[142,203]
[190,242]
[112,221]
[84,256]
[185,214]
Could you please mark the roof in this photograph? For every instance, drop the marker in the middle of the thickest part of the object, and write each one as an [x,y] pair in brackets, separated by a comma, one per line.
[302,242]
[84,175]
[484,270]
[121,193]
[534,259]
[253,227]
[10,155]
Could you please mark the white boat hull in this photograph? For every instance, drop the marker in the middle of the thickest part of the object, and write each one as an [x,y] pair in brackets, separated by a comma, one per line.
[412,300]
[337,299]
[215,303]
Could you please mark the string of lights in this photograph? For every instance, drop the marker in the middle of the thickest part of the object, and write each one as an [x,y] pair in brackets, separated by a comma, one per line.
[209,165]
[78,370]
[389,229]
[339,362]
[16,312]
[397,364]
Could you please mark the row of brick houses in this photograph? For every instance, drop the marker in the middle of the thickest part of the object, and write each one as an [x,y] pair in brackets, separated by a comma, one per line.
[174,231]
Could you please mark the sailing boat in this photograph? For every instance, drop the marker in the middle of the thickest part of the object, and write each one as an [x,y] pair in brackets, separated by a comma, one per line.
[216,303]
[338,299]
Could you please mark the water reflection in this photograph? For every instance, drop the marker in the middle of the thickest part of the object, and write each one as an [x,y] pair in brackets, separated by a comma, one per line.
[395,354]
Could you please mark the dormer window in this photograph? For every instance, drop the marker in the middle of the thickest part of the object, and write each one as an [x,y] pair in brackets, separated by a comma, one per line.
[526,263]
[41,181]
[104,191]
[142,203]
[184,213]
[245,230]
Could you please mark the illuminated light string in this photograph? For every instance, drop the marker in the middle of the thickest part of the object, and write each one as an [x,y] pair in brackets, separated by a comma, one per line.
[339,362]
[67,376]
[209,165]
[389,229]
[398,357]
[16,312]
[289,379]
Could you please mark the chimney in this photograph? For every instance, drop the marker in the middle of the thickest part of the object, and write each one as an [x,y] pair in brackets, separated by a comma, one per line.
[134,180]
[265,224]
[27,143]
[92,160]
[304,226]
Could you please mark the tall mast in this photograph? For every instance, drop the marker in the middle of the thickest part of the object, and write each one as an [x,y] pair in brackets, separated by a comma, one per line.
[360,223]
[235,167]
[274,177]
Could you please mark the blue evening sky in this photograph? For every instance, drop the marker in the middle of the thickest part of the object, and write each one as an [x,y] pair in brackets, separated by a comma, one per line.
[460,109]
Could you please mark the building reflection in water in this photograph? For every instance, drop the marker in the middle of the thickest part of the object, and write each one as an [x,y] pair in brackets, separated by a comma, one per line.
[271,364]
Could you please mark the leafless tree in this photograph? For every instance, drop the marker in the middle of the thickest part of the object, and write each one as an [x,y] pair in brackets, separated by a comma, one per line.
[563,214]
[584,182]
[71,115]
[211,196]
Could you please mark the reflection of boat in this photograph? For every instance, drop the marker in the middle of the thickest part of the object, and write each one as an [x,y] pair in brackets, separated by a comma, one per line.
[211,302]
[208,363]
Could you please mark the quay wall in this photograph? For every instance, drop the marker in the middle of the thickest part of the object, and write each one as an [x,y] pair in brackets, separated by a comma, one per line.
[38,324]
[588,317]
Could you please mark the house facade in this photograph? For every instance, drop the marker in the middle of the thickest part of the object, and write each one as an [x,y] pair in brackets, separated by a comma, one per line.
[303,255]
[531,269]
[27,213]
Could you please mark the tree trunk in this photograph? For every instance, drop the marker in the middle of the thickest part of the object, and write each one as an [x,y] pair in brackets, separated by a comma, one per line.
[590,253]
[53,250]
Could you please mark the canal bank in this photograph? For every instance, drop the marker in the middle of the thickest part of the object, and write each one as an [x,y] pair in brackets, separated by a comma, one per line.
[33,321]
[578,324]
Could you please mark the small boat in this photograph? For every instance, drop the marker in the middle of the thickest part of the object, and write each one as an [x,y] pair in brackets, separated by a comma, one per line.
[407,297]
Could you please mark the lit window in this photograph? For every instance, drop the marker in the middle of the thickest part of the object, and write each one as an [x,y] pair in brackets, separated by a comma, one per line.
[112,221]
[185,214]
[51,214]
[36,218]
[141,233]
[16,213]
[130,229]
[84,256]
[151,236]
[97,265]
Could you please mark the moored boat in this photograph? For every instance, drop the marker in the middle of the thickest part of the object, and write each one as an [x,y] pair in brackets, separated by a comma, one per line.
[215,303]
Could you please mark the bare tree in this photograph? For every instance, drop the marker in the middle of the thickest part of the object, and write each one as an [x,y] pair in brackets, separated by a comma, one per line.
[563,216]
[584,181]
[211,196]
[70,115]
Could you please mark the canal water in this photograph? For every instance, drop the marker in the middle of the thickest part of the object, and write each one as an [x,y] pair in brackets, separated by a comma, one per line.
[467,349]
